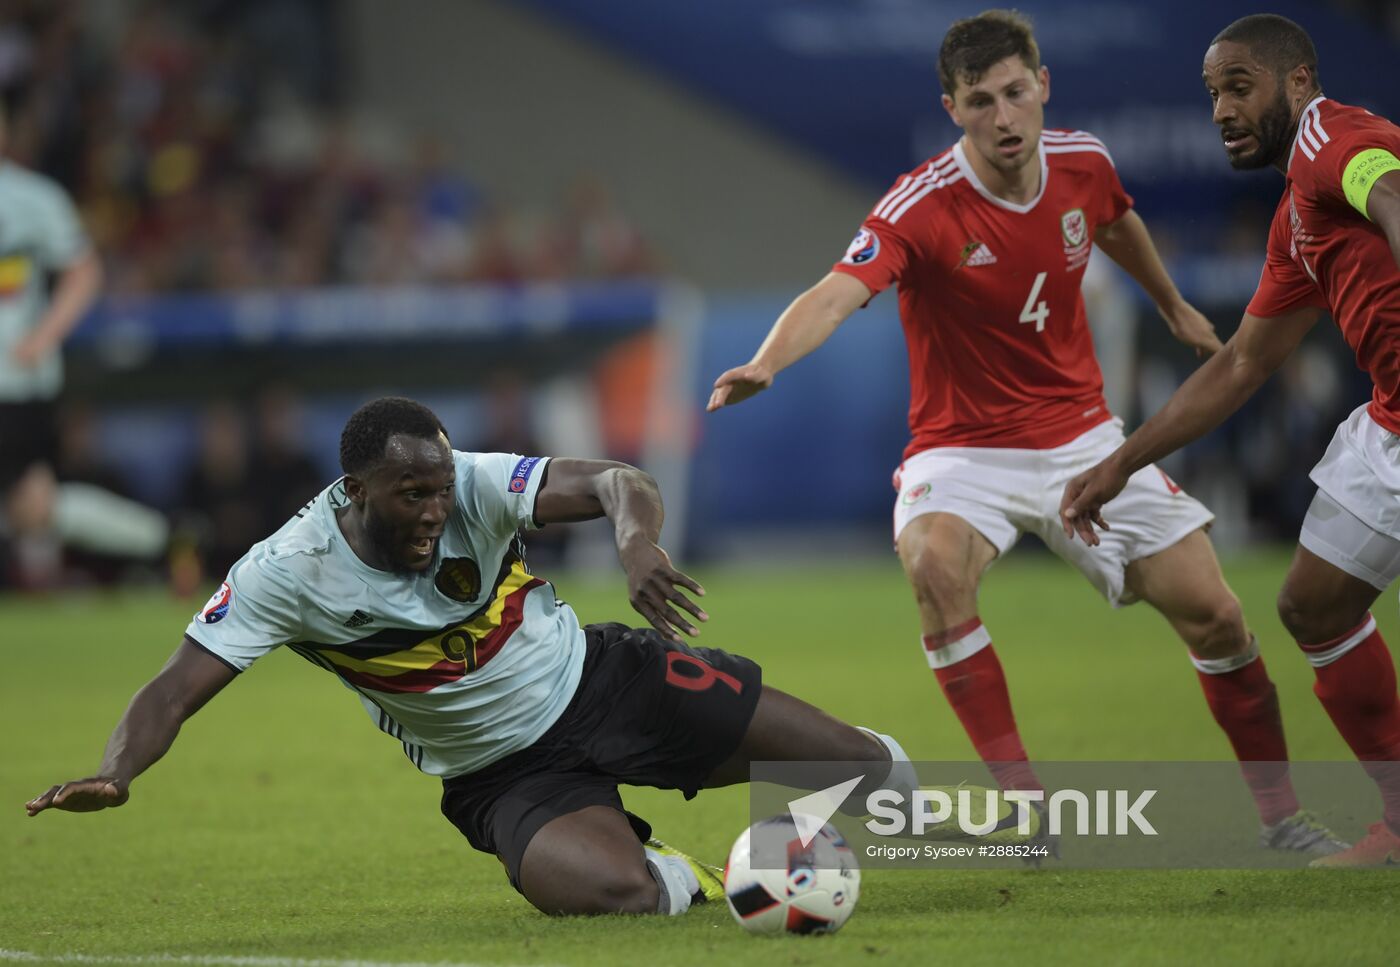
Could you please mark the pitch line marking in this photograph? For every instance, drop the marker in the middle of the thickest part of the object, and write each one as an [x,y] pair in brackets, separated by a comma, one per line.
[213,960]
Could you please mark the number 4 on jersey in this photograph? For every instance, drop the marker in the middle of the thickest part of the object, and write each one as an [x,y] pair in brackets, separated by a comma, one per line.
[1038,314]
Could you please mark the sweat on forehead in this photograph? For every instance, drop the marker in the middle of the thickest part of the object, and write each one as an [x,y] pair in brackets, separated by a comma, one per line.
[405,451]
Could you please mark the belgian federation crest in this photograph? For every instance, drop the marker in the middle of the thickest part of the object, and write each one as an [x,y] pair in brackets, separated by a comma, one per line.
[1074,228]
[459,578]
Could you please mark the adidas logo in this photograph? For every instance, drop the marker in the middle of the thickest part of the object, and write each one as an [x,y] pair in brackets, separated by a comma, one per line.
[358,620]
[982,256]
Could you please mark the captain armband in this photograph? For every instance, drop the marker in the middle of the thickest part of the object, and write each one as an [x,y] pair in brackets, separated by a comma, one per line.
[1363,171]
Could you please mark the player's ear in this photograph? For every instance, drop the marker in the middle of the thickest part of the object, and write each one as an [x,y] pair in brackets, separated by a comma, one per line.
[951,107]
[1044,83]
[355,490]
[1301,82]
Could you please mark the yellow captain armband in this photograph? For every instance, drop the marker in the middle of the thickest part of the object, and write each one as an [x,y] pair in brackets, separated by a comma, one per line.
[1363,171]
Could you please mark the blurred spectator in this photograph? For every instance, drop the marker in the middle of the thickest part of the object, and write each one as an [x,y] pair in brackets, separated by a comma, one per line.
[208,148]
[218,500]
[509,430]
[284,477]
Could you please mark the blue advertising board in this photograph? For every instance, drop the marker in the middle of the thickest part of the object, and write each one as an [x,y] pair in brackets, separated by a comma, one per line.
[856,80]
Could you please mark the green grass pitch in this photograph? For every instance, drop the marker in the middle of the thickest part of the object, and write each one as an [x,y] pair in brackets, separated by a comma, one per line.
[282,825]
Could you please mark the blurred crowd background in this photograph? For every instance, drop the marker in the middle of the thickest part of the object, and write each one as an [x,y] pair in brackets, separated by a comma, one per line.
[562,220]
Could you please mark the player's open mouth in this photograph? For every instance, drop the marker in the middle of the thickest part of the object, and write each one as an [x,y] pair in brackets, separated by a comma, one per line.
[423,547]
[1235,140]
[1009,146]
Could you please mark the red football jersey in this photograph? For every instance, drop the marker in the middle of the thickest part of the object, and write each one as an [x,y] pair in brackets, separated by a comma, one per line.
[1323,252]
[1000,353]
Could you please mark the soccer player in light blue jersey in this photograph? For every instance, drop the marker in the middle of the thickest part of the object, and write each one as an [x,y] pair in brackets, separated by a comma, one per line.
[41,235]
[406,579]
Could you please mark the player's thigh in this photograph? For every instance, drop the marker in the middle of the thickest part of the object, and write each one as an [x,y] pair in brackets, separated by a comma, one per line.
[1151,515]
[945,542]
[1184,582]
[502,808]
[1349,544]
[585,862]
[1339,569]
[786,729]
[662,713]
[955,514]
[960,507]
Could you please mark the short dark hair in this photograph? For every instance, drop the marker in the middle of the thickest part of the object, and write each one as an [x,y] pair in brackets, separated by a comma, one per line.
[369,428]
[972,46]
[1276,42]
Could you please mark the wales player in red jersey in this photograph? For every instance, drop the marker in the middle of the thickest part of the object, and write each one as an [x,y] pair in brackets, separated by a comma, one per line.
[1334,244]
[987,243]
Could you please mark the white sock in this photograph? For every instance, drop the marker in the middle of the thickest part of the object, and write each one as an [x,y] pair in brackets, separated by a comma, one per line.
[98,520]
[902,778]
[675,880]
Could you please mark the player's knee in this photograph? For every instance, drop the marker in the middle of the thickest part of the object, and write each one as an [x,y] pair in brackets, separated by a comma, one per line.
[1305,617]
[1221,633]
[629,889]
[612,888]
[940,584]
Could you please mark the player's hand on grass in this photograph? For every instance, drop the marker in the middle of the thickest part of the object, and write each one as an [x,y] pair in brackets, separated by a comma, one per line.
[654,588]
[738,384]
[1192,329]
[1081,507]
[81,796]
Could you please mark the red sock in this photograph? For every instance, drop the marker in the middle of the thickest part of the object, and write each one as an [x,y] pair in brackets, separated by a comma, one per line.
[1245,704]
[971,677]
[1356,684]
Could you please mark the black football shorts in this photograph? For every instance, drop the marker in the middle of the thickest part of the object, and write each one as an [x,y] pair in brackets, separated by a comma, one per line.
[647,712]
[28,435]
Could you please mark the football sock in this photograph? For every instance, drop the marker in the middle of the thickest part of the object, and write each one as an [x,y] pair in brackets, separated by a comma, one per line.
[675,881]
[1356,685]
[901,777]
[98,520]
[1245,704]
[971,677]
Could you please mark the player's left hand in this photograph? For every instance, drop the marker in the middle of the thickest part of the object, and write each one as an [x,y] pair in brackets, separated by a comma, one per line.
[1192,329]
[654,588]
[1081,507]
[81,796]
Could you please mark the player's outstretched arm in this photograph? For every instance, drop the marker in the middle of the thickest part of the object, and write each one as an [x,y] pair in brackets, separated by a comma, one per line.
[1202,403]
[1128,243]
[804,325]
[587,489]
[145,732]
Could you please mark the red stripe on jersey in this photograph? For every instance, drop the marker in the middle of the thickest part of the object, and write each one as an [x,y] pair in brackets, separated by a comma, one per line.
[450,670]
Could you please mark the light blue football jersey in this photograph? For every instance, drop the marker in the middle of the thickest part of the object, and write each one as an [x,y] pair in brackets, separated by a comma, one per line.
[468,663]
[39,233]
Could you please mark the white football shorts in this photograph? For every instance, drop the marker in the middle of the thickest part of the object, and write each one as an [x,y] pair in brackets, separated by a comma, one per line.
[1354,520]
[1005,493]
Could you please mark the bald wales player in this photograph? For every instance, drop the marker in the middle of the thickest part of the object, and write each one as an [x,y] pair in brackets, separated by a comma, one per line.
[987,243]
[1334,244]
[406,580]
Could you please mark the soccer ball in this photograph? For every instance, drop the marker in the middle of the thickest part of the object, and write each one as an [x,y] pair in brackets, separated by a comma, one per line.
[807,889]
